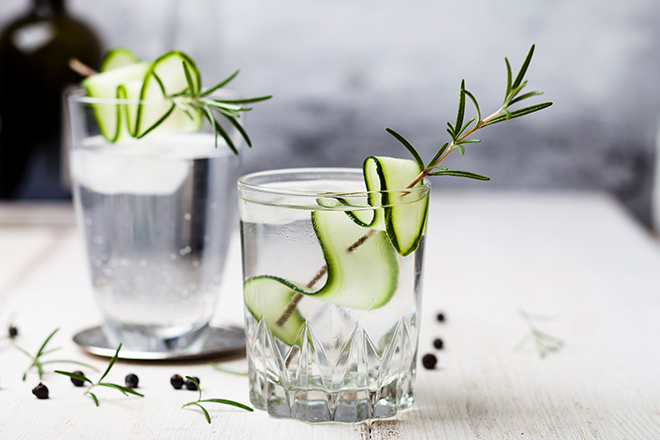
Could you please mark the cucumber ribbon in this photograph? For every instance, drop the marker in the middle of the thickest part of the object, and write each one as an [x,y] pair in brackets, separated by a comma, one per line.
[362,269]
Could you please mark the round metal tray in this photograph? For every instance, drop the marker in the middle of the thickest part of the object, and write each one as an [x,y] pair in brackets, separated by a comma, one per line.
[220,341]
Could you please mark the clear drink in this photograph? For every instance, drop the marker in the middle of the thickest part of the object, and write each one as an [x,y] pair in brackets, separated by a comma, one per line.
[156,216]
[347,352]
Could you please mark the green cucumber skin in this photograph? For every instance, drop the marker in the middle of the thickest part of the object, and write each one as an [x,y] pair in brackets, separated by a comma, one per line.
[390,212]
[175,53]
[103,85]
[367,277]
[94,87]
[355,215]
[336,282]
[337,285]
[274,298]
[364,279]
[391,233]
[116,58]
[140,131]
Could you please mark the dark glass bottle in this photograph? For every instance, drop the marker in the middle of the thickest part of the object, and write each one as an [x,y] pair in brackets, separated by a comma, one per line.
[34,53]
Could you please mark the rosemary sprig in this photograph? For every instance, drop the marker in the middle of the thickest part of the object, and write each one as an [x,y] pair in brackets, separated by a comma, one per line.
[224,370]
[38,363]
[192,100]
[545,343]
[124,390]
[460,132]
[199,401]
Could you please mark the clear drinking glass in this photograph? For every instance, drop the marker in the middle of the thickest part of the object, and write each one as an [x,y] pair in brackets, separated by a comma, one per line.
[156,215]
[332,311]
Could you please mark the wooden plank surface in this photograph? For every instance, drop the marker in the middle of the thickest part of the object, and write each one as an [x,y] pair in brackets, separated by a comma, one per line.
[579,260]
[576,258]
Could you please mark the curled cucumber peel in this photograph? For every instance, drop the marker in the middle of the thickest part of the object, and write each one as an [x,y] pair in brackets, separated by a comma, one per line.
[153,83]
[361,277]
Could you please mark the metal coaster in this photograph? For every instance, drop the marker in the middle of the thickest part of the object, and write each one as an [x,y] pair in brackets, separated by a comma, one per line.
[219,341]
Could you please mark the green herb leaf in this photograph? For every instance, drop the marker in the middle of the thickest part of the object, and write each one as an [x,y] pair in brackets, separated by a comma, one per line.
[38,363]
[408,146]
[65,361]
[221,84]
[457,173]
[461,133]
[476,105]
[188,75]
[470,141]
[436,158]
[524,67]
[52,350]
[193,380]
[544,342]
[206,413]
[461,108]
[220,131]
[247,100]
[24,351]
[199,401]
[509,78]
[463,129]
[240,373]
[157,123]
[228,402]
[41,349]
[525,96]
[520,112]
[112,362]
[94,398]
[77,376]
[124,390]
[240,129]
[184,108]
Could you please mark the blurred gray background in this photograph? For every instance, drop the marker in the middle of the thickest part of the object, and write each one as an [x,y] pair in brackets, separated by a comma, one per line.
[342,70]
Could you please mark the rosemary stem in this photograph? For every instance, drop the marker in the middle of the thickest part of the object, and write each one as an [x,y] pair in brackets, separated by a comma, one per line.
[291,307]
[452,145]
[81,68]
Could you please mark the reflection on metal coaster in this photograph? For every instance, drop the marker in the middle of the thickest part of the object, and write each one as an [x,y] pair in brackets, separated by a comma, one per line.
[218,341]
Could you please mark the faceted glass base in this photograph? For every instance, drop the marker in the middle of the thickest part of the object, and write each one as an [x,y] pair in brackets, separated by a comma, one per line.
[312,383]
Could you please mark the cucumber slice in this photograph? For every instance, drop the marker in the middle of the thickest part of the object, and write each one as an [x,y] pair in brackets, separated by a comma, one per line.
[364,278]
[267,297]
[119,57]
[405,212]
[167,77]
[113,119]
[363,214]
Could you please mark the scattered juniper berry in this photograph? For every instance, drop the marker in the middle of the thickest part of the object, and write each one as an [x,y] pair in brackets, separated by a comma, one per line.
[78,382]
[41,391]
[191,385]
[131,380]
[429,361]
[176,381]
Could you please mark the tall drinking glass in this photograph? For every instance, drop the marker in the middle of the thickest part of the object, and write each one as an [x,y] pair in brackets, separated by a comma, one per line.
[331,308]
[156,215]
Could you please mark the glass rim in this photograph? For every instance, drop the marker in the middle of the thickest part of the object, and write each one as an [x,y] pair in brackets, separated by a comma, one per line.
[243,184]
[78,95]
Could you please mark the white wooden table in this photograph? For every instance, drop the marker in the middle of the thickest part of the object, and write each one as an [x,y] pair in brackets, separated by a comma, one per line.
[578,258]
